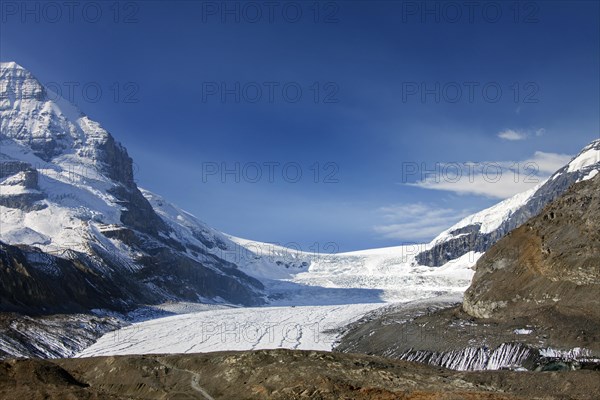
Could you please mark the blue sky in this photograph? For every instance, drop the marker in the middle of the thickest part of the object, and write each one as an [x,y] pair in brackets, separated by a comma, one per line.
[379,105]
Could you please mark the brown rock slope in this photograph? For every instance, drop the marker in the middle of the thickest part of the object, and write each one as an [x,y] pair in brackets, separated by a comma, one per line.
[277,374]
[548,268]
[536,288]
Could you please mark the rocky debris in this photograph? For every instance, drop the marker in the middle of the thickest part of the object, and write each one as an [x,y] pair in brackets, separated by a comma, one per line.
[38,379]
[442,334]
[278,374]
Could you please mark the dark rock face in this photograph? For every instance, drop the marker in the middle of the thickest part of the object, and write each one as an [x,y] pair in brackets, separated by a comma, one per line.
[33,282]
[13,167]
[137,213]
[20,174]
[118,165]
[452,249]
[471,238]
[24,201]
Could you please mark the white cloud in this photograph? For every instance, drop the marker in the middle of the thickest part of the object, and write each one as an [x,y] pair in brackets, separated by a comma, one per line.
[548,163]
[520,134]
[497,179]
[416,221]
[490,184]
[512,135]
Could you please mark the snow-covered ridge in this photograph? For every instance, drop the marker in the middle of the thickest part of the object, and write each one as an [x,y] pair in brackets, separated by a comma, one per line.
[481,230]
[588,157]
[388,274]
[491,218]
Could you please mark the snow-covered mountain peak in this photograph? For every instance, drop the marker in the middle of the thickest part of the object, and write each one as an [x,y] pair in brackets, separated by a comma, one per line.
[12,72]
[18,81]
[67,191]
[11,65]
[55,130]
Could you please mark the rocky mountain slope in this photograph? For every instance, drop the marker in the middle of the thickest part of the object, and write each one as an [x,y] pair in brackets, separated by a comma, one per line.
[51,336]
[478,232]
[278,374]
[533,303]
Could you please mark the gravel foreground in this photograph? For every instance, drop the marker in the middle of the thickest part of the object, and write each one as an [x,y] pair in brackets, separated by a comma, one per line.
[278,374]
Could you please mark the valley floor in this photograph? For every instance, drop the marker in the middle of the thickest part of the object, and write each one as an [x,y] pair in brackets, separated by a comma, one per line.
[278,374]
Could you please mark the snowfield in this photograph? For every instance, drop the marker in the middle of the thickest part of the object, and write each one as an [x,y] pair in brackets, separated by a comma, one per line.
[382,275]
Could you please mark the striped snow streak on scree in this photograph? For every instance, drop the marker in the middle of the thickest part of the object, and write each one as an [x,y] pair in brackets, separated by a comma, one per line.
[507,355]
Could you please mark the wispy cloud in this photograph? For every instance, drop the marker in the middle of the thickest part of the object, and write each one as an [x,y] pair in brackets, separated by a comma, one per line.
[519,134]
[512,135]
[416,221]
[497,179]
